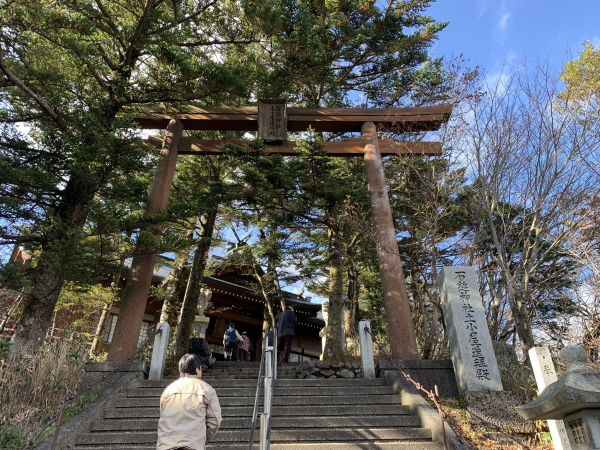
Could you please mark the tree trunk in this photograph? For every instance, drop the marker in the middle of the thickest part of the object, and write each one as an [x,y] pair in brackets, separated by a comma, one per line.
[172,286]
[192,293]
[523,325]
[351,316]
[431,337]
[38,309]
[101,328]
[334,348]
[53,265]
[269,319]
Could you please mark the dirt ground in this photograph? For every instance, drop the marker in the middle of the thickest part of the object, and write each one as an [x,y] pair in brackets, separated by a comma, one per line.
[492,439]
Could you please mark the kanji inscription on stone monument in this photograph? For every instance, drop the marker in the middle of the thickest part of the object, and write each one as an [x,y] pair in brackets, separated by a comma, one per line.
[473,356]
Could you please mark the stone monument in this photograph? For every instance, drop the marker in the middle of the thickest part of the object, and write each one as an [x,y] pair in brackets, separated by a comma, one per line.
[201,321]
[574,398]
[543,369]
[473,355]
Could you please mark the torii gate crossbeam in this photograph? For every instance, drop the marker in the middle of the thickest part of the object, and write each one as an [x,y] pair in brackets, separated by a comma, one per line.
[364,120]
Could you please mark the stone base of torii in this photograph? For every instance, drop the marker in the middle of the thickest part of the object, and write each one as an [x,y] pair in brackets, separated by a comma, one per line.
[366,120]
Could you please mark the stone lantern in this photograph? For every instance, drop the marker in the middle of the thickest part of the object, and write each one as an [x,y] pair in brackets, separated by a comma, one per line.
[574,398]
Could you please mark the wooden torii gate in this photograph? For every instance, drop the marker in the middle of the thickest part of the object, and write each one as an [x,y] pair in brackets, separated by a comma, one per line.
[364,120]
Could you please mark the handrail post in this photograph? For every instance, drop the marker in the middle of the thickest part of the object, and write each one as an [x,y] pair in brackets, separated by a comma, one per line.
[269,365]
[255,412]
[268,380]
[275,355]
[263,431]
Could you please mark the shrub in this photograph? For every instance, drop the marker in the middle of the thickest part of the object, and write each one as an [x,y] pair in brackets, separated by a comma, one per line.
[33,386]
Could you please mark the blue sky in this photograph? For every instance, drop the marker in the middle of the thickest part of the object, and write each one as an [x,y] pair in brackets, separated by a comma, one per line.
[490,31]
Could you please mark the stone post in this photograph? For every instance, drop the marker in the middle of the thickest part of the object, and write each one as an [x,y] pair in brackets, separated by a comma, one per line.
[323,332]
[403,340]
[473,356]
[366,349]
[545,374]
[159,352]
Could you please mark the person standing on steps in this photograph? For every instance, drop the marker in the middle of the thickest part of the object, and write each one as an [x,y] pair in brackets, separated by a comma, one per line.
[190,414]
[285,332]
[230,342]
[244,347]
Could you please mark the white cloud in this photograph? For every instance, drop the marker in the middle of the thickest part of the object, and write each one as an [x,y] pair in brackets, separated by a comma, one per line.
[595,41]
[502,25]
[481,8]
[503,22]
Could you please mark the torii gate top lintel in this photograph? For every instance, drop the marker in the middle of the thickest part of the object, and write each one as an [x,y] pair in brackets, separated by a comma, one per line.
[245,118]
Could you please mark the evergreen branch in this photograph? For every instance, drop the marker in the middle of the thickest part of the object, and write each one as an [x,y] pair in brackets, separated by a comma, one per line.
[106,59]
[81,56]
[101,26]
[188,18]
[232,41]
[29,91]
[93,71]
[137,33]
[18,119]
[197,13]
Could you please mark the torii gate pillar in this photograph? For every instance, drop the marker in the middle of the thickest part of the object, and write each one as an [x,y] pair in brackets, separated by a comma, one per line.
[133,304]
[403,339]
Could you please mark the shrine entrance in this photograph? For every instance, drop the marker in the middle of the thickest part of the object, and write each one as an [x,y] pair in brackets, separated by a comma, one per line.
[273,120]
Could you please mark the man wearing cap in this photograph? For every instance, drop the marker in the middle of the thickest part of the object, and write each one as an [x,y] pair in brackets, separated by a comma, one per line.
[230,342]
[285,332]
[244,347]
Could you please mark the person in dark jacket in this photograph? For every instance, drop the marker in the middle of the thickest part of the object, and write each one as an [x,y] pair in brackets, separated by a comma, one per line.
[230,342]
[285,332]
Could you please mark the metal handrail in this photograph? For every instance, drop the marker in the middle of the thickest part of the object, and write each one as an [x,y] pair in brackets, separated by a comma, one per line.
[272,393]
[260,372]
[265,442]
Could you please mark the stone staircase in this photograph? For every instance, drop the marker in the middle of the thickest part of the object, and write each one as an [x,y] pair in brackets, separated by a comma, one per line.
[308,414]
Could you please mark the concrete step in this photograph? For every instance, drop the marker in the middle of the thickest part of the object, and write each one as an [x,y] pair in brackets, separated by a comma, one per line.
[231,363]
[357,445]
[243,376]
[320,414]
[278,411]
[277,401]
[279,391]
[335,382]
[278,423]
[277,435]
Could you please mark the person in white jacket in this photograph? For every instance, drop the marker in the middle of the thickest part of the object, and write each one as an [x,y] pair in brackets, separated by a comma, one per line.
[190,414]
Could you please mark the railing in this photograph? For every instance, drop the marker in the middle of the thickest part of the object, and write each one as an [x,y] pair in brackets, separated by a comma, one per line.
[268,365]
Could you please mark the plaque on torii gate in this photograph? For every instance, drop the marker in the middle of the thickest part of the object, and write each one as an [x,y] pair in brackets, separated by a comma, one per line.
[272,120]
[367,121]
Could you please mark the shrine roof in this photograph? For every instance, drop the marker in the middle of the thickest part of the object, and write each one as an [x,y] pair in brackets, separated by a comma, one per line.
[162,269]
